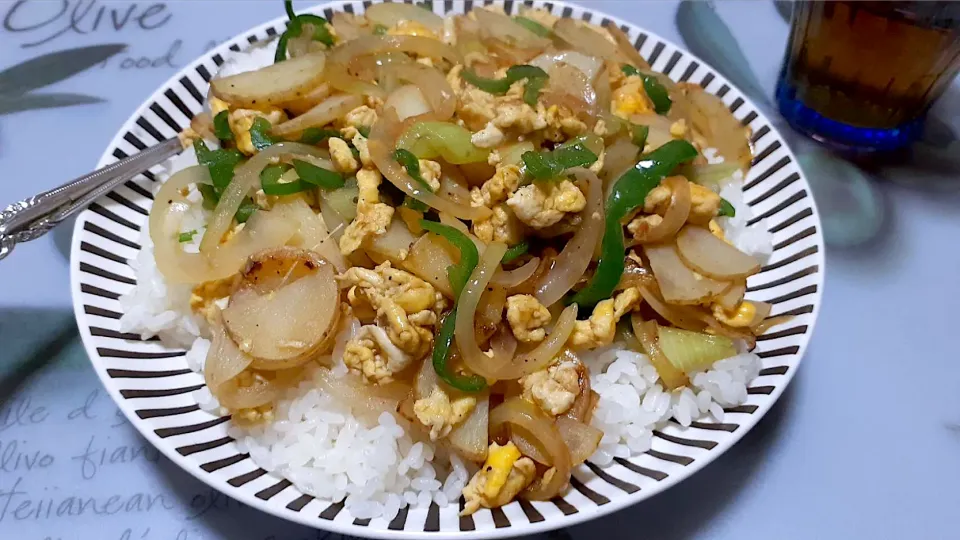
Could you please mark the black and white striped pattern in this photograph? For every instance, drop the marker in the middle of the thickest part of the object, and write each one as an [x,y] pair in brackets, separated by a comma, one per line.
[153,386]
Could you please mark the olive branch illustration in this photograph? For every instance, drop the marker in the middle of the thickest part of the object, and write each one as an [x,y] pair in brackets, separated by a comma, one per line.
[17,83]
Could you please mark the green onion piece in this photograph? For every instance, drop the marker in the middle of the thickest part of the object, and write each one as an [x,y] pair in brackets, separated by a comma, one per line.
[365,131]
[247,208]
[531,90]
[220,163]
[260,134]
[441,352]
[629,70]
[533,26]
[271,185]
[430,140]
[549,165]
[458,274]
[379,30]
[657,94]
[288,7]
[639,135]
[726,209]
[317,176]
[315,135]
[412,165]
[210,196]
[515,251]
[186,236]
[221,126]
[501,86]
[629,192]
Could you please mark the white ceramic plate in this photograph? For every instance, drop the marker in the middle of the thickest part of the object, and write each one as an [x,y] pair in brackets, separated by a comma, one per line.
[153,385]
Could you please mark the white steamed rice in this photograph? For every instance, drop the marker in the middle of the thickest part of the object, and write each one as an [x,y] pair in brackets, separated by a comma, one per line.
[380,465]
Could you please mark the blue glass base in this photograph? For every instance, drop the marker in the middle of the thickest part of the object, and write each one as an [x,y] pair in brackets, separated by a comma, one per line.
[838,135]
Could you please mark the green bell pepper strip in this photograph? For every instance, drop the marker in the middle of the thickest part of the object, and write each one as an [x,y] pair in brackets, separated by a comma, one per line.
[271,185]
[726,209]
[458,274]
[531,90]
[430,140]
[380,30]
[220,163]
[260,134]
[654,89]
[533,26]
[221,126]
[549,165]
[501,86]
[315,135]
[288,7]
[247,208]
[628,193]
[412,165]
[317,176]
[441,352]
[186,236]
[639,135]
[515,251]
[320,31]
[210,196]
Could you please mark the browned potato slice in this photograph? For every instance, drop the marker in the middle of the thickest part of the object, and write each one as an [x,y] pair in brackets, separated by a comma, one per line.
[280,83]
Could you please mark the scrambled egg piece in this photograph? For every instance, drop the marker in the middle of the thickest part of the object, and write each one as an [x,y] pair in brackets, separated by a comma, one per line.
[678,129]
[371,354]
[717,230]
[342,157]
[553,389]
[519,117]
[474,107]
[562,124]
[404,304]
[543,204]
[630,98]
[205,297]
[360,143]
[501,186]
[704,203]
[411,28]
[440,414]
[601,327]
[500,226]
[241,120]
[504,475]
[527,318]
[373,216]
[249,417]
[362,116]
[430,172]
[488,137]
[741,317]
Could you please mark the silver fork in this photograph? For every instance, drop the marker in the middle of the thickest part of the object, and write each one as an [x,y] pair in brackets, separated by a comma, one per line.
[33,217]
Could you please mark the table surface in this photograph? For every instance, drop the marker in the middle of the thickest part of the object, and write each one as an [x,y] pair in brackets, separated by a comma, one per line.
[833,459]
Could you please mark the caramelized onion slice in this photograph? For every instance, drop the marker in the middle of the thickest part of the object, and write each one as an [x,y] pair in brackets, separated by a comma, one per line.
[323,113]
[676,214]
[509,279]
[711,256]
[581,439]
[541,356]
[545,435]
[465,334]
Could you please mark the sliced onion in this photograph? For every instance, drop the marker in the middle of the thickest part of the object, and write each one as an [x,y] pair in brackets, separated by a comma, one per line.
[585,39]
[711,256]
[359,396]
[408,101]
[246,179]
[732,297]
[678,283]
[709,116]
[647,332]
[383,139]
[576,255]
[544,433]
[349,26]
[465,334]
[314,234]
[629,52]
[224,359]
[544,353]
[589,65]
[433,85]
[581,439]
[569,87]
[676,214]
[453,185]
[469,438]
[451,221]
[509,279]
[273,84]
[582,408]
[284,327]
[341,57]
[391,14]
[489,318]
[620,157]
[601,86]
[393,245]
[234,397]
[659,132]
[500,27]
[261,231]
[322,114]
[686,317]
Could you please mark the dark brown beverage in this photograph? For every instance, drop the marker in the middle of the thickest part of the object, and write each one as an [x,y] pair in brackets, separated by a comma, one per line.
[876,66]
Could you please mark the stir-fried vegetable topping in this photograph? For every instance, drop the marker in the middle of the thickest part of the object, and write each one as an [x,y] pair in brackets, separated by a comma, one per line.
[551,164]
[514,252]
[412,165]
[533,26]
[220,162]
[315,135]
[639,134]
[629,192]
[654,89]
[270,181]
[536,78]
[726,209]
[430,140]
[186,236]
[295,27]
[260,134]
[221,126]
[317,176]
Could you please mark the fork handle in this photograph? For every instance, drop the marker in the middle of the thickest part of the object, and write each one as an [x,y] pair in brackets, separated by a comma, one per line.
[34,216]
